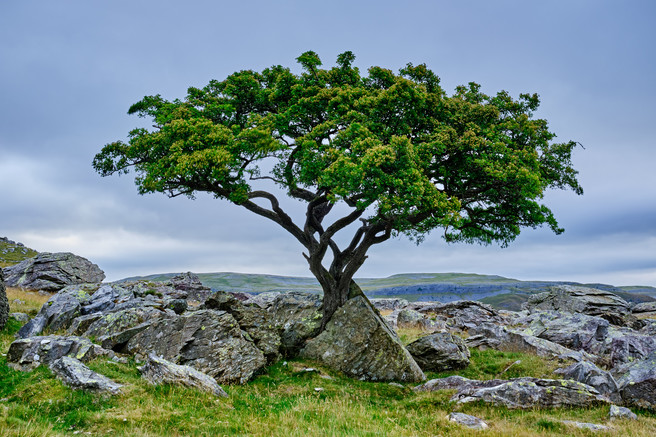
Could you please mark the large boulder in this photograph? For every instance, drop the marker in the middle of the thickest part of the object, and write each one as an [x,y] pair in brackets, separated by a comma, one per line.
[412,319]
[461,315]
[358,342]
[644,309]
[53,271]
[73,373]
[584,300]
[298,315]
[637,382]
[28,353]
[208,340]
[439,352]
[4,303]
[593,376]
[157,370]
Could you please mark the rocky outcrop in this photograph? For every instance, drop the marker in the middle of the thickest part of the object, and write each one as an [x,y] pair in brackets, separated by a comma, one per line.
[637,382]
[439,352]
[76,375]
[208,340]
[589,374]
[412,319]
[359,343]
[298,315]
[4,303]
[644,309]
[389,304]
[584,300]
[157,370]
[52,272]
[461,315]
[29,353]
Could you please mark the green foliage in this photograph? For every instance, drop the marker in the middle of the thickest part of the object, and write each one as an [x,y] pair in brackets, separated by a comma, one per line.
[11,253]
[395,145]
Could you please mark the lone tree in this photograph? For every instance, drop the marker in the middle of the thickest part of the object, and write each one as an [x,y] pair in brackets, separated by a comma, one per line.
[396,152]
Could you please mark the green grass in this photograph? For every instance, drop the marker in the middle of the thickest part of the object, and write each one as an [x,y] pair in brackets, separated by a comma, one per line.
[283,401]
[14,253]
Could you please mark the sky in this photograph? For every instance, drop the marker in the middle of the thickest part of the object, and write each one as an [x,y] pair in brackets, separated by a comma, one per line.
[69,71]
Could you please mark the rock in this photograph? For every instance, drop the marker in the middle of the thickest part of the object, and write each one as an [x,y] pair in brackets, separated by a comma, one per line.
[79,377]
[462,315]
[28,353]
[160,371]
[456,382]
[644,309]
[532,392]
[624,345]
[106,298]
[621,413]
[472,422]
[52,272]
[412,319]
[4,303]
[359,343]
[440,351]
[191,285]
[208,340]
[389,304]
[20,317]
[637,383]
[585,425]
[584,300]
[58,312]
[298,315]
[593,376]
[113,330]
[265,299]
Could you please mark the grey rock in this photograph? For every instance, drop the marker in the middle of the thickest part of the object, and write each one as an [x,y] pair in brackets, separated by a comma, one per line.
[79,377]
[532,392]
[440,351]
[637,383]
[585,300]
[413,319]
[28,353]
[585,425]
[593,376]
[358,342]
[157,370]
[4,303]
[617,412]
[462,315]
[208,340]
[52,272]
[114,329]
[624,345]
[389,304]
[106,298]
[58,312]
[644,309]
[298,315]
[20,317]
[459,383]
[472,422]
[190,284]
[264,300]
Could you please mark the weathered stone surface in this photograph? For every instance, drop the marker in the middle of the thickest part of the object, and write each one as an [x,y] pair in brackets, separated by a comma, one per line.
[456,382]
[106,298]
[593,376]
[389,304]
[532,392]
[79,377]
[472,422]
[359,343]
[58,312]
[644,309]
[440,351]
[160,371]
[20,317]
[624,345]
[637,383]
[461,315]
[263,300]
[190,284]
[584,300]
[208,340]
[621,413]
[586,425]
[412,319]
[4,303]
[114,329]
[52,272]
[28,353]
[298,315]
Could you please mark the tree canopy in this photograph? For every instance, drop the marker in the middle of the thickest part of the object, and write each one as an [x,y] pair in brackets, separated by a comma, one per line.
[400,153]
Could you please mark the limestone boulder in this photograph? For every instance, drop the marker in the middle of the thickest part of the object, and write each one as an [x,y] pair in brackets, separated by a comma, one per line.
[358,342]
[298,315]
[637,383]
[4,303]
[28,353]
[644,309]
[53,271]
[73,373]
[584,300]
[412,319]
[471,422]
[590,374]
[462,315]
[389,304]
[439,352]
[157,371]
[208,340]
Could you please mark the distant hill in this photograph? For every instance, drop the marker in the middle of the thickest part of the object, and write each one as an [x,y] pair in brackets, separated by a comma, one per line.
[500,292]
[12,252]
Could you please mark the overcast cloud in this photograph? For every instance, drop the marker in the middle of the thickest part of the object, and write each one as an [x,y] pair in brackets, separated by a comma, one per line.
[70,70]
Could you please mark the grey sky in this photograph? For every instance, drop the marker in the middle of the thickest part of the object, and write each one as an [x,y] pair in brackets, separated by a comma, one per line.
[69,70]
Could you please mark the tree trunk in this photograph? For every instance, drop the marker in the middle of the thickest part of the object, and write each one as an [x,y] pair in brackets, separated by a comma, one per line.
[334,298]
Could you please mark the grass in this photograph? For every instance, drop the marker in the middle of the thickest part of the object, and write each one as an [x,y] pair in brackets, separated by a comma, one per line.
[283,401]
[11,254]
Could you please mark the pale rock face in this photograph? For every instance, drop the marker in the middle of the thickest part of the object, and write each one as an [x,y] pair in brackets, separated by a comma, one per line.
[439,352]
[157,370]
[79,377]
[28,353]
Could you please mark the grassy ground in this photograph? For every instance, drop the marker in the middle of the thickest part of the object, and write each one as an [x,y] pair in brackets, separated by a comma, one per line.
[284,401]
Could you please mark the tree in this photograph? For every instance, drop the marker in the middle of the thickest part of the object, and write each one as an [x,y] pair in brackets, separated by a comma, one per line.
[397,153]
